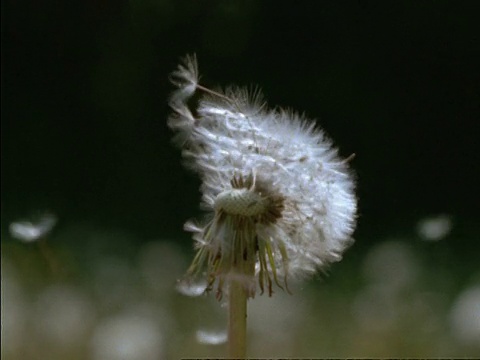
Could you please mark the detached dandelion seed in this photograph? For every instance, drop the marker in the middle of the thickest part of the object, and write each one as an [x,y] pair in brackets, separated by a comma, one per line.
[31,231]
[281,202]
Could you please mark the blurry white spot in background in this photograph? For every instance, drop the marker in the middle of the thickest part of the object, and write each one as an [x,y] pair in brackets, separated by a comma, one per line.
[275,318]
[127,336]
[188,287]
[63,315]
[15,312]
[465,317]
[30,231]
[160,264]
[392,264]
[390,267]
[211,337]
[375,308]
[115,282]
[434,228]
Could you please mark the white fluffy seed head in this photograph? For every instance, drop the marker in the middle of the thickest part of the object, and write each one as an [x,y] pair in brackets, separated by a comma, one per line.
[310,213]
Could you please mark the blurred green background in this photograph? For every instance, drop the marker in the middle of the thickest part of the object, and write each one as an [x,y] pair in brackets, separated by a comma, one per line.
[84,137]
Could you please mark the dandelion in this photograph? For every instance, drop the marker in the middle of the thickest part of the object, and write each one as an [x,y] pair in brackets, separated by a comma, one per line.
[36,231]
[281,202]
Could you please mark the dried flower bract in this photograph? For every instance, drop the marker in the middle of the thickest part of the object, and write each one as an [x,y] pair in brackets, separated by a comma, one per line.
[282,202]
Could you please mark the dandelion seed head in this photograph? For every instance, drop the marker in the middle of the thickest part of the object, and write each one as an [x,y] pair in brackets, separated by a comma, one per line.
[276,188]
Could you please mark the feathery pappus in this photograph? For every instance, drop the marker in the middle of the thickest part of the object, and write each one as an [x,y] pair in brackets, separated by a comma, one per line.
[281,201]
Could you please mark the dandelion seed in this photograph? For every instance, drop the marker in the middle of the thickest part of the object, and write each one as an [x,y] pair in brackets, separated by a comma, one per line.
[188,288]
[210,337]
[31,231]
[281,200]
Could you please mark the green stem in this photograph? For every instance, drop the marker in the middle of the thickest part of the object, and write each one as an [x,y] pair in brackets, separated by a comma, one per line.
[237,322]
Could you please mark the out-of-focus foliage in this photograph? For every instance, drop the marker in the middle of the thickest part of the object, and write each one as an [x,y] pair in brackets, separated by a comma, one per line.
[113,299]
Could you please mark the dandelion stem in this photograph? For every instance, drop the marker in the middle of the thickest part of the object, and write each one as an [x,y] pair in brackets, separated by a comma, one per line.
[237,322]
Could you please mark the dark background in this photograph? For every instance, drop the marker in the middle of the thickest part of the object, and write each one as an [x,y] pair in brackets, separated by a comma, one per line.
[85,88]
